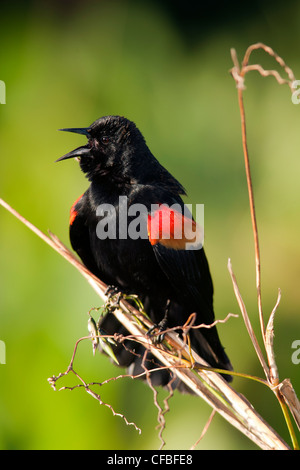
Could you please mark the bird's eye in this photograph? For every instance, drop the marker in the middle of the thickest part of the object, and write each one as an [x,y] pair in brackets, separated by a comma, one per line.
[105,139]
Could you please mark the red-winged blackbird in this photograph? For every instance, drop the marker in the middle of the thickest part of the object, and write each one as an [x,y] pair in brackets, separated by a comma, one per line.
[171,281]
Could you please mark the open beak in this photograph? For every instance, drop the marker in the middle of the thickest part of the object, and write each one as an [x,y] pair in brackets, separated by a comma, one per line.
[79,152]
[83,151]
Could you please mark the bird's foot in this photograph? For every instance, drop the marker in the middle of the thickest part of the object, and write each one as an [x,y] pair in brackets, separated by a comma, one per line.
[114,296]
[111,291]
[159,336]
[161,326]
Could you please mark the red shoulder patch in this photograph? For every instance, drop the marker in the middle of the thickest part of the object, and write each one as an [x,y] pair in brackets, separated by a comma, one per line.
[174,230]
[73,212]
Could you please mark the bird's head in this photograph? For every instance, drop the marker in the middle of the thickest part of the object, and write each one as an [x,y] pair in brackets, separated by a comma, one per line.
[112,143]
[116,150]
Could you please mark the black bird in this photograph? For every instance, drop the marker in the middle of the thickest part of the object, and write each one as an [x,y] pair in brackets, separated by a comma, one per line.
[171,281]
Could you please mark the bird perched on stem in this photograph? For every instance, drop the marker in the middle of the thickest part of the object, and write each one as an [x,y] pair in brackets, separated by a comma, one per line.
[132,230]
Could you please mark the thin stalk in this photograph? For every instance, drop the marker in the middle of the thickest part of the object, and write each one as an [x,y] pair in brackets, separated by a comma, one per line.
[288,420]
[252,209]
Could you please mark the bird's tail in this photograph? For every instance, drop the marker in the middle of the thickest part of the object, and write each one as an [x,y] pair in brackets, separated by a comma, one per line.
[208,346]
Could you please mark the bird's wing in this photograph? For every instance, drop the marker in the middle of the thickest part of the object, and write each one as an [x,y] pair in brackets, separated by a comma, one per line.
[187,269]
[79,232]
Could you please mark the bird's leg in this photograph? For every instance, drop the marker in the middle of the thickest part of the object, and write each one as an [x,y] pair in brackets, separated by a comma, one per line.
[114,295]
[115,300]
[161,326]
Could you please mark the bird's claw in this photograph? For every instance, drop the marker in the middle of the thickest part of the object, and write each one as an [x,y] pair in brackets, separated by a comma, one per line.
[111,291]
[113,298]
[161,326]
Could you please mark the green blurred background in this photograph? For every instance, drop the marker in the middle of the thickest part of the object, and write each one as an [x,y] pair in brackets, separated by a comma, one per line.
[164,65]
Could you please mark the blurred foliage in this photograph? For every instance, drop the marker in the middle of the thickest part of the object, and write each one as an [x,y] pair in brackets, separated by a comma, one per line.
[165,66]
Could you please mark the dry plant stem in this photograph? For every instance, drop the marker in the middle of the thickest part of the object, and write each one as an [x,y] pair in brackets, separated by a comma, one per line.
[252,209]
[265,73]
[58,246]
[271,372]
[52,381]
[207,384]
[247,321]
[269,336]
[285,400]
[231,405]
[290,397]
[285,410]
[205,429]
[239,76]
